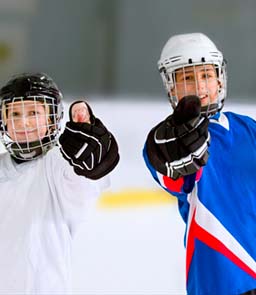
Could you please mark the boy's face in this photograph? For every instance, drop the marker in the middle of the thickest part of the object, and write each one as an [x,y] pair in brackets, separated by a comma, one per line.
[26,121]
[198,80]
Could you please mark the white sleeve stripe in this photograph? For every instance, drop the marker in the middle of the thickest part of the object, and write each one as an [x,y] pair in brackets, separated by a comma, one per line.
[214,227]
[205,219]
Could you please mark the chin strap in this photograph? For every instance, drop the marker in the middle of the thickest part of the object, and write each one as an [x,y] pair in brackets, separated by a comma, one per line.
[24,152]
[210,110]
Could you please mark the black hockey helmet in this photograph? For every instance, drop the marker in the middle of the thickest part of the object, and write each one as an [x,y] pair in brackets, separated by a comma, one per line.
[35,87]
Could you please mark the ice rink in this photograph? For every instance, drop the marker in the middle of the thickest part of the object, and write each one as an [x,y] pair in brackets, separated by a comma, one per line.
[132,242]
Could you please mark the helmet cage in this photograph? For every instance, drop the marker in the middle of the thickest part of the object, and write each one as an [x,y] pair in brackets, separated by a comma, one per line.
[26,149]
[191,50]
[169,80]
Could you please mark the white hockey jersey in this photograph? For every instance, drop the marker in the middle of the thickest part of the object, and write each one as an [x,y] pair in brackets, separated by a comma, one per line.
[41,203]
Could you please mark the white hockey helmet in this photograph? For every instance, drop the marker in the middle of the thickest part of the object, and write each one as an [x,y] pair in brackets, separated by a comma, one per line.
[188,50]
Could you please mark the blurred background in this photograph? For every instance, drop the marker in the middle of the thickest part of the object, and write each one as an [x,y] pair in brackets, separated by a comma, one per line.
[107,50]
[111,47]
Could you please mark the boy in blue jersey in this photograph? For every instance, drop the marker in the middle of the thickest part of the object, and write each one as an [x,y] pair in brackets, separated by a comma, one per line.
[207,159]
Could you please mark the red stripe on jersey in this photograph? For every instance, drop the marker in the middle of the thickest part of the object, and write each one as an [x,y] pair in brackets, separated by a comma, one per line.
[197,232]
[199,174]
[218,246]
[173,185]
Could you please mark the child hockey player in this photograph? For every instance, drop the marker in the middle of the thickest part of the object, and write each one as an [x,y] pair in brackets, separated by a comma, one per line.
[45,190]
[207,159]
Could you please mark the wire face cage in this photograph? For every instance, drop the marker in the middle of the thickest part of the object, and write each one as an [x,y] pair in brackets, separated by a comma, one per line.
[29,125]
[206,80]
[191,64]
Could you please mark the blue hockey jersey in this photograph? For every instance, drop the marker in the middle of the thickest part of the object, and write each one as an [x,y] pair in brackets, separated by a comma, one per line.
[220,210]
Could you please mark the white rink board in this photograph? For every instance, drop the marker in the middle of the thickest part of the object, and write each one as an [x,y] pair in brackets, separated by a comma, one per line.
[137,250]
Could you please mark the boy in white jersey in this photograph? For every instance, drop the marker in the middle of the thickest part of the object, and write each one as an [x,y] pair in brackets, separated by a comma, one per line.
[45,189]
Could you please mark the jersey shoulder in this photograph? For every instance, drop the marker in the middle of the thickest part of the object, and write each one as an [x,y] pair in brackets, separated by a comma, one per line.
[229,120]
[239,117]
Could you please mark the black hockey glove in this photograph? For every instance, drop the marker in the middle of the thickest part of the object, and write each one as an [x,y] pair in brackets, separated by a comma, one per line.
[87,144]
[178,146]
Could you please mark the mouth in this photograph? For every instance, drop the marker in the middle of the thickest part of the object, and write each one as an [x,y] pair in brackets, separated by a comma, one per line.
[27,133]
[203,96]
[205,99]
[24,136]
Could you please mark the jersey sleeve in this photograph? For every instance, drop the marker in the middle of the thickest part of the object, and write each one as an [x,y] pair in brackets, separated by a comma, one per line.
[76,195]
[179,188]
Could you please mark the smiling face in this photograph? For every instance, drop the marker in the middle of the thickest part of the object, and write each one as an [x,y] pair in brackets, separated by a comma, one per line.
[200,80]
[26,121]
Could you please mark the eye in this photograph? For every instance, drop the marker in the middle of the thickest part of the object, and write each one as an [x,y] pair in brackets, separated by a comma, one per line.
[34,113]
[208,75]
[188,77]
[14,114]
[31,113]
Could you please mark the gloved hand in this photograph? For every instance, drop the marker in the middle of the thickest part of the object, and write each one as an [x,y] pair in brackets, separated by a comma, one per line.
[178,146]
[87,144]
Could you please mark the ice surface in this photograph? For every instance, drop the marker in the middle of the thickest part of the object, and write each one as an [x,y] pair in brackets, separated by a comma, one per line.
[136,250]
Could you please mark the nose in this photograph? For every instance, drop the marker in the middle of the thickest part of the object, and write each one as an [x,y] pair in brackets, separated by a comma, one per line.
[25,121]
[201,86]
[201,82]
